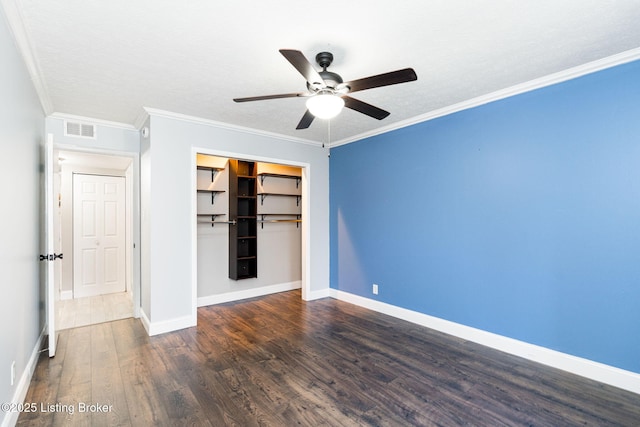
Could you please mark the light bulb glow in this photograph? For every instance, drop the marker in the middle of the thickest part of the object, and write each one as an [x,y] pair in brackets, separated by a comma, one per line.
[325,105]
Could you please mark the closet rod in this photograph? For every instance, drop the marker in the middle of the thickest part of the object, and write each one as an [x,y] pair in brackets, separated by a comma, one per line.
[262,221]
[279,220]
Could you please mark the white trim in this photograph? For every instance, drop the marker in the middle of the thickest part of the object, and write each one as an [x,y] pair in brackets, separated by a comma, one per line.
[322,293]
[305,232]
[66,295]
[551,79]
[616,377]
[226,126]
[248,293]
[145,320]
[11,418]
[248,157]
[194,235]
[91,121]
[141,119]
[15,20]
[134,155]
[157,328]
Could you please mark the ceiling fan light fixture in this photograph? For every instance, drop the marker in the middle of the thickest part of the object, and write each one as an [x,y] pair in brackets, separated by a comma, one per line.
[325,105]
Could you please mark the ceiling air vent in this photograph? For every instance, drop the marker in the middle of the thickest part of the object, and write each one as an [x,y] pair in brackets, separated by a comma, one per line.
[78,129]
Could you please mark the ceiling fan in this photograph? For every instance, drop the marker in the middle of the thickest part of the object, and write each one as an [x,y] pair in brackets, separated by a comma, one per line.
[328,93]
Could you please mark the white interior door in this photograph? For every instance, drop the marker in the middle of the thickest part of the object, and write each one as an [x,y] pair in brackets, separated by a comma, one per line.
[99,213]
[49,256]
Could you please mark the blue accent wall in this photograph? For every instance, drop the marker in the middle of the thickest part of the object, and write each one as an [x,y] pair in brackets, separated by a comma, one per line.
[520,217]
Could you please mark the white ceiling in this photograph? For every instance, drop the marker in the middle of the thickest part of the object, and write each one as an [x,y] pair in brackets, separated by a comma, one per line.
[109,59]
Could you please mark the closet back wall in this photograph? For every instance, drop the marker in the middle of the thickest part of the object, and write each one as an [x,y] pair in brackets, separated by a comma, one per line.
[520,217]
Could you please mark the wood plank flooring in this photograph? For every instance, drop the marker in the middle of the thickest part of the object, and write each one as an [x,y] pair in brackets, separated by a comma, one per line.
[73,313]
[280,361]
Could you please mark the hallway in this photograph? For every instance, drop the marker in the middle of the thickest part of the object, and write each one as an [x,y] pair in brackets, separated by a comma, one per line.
[74,313]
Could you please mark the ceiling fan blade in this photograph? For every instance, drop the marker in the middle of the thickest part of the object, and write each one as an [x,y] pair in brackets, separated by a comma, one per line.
[304,67]
[262,98]
[364,108]
[306,120]
[386,79]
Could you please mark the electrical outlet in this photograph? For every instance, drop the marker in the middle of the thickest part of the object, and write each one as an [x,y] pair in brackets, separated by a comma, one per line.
[13,372]
[375,289]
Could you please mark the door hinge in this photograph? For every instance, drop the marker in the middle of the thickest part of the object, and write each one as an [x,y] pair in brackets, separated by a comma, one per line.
[50,257]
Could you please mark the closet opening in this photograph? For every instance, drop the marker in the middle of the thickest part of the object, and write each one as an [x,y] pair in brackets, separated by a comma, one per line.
[249,227]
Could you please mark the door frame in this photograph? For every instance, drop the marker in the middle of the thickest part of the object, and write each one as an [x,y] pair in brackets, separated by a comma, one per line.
[305,205]
[49,250]
[132,185]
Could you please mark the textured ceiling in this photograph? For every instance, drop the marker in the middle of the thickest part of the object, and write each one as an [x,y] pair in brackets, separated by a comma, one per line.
[109,59]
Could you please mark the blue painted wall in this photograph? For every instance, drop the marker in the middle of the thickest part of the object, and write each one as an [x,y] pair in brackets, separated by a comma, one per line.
[520,217]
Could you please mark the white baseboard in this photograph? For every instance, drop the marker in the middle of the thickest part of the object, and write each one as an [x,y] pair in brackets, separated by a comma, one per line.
[11,418]
[65,295]
[157,328]
[616,377]
[248,293]
[314,295]
[145,320]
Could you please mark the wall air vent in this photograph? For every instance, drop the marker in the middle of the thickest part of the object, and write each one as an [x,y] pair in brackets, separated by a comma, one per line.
[81,130]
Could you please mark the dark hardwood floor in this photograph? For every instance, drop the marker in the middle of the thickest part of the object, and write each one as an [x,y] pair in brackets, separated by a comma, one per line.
[280,361]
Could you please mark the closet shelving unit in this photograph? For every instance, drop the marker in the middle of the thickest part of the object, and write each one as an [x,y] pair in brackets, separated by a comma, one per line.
[243,245]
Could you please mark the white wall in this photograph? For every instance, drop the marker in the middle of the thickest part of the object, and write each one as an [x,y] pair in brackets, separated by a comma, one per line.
[21,135]
[112,139]
[171,239]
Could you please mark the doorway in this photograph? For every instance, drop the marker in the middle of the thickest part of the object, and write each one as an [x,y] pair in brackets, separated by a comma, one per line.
[82,298]
[271,220]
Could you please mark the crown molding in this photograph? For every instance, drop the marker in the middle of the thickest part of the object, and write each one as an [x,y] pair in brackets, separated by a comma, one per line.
[141,119]
[90,120]
[15,21]
[207,122]
[551,79]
